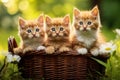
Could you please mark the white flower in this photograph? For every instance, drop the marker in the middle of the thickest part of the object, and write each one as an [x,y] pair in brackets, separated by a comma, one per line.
[107,48]
[118,33]
[13,58]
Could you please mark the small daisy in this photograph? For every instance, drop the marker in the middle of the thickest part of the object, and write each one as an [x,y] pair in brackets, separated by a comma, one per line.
[107,48]
[118,33]
[13,58]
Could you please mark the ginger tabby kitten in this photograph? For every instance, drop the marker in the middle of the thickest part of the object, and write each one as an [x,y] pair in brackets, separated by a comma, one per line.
[87,31]
[31,34]
[57,30]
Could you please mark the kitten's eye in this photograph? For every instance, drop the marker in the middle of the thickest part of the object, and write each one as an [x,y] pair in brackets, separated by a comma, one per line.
[89,22]
[29,31]
[61,29]
[53,29]
[37,30]
[81,23]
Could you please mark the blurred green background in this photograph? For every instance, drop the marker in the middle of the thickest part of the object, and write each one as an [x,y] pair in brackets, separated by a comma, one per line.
[10,10]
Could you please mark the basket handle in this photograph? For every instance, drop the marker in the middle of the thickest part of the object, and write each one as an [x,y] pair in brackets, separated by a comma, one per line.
[11,44]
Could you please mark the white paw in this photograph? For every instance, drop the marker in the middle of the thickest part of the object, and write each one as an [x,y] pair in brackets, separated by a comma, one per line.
[103,53]
[82,51]
[40,48]
[95,52]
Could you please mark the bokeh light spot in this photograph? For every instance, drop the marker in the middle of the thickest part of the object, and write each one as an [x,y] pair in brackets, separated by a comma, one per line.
[4,1]
[23,5]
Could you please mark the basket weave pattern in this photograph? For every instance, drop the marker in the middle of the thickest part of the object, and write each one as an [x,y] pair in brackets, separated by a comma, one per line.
[58,66]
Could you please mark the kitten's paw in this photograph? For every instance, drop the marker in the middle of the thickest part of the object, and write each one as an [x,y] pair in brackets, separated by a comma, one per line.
[62,49]
[17,50]
[82,51]
[27,49]
[95,51]
[104,54]
[50,50]
[41,48]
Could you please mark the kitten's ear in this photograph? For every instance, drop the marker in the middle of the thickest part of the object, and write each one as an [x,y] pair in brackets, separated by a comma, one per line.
[22,22]
[66,20]
[95,11]
[76,12]
[48,20]
[41,20]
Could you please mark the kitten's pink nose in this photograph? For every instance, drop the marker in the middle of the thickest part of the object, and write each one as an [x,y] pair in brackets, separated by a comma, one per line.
[57,33]
[34,35]
[84,27]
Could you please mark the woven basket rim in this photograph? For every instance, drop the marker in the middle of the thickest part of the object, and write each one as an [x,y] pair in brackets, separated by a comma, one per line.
[42,52]
[67,53]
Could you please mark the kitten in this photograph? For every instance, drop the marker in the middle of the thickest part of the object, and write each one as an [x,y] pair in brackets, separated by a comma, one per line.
[31,34]
[57,30]
[87,30]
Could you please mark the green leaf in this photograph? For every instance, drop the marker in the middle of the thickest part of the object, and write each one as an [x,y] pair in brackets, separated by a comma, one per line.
[99,61]
[113,53]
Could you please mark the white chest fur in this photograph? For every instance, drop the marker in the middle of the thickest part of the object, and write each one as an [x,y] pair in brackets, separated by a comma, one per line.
[87,38]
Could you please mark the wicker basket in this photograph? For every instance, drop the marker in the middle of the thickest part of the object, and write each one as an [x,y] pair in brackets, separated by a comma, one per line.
[58,66]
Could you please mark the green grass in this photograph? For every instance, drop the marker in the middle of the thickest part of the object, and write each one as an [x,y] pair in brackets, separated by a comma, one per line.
[113,65]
